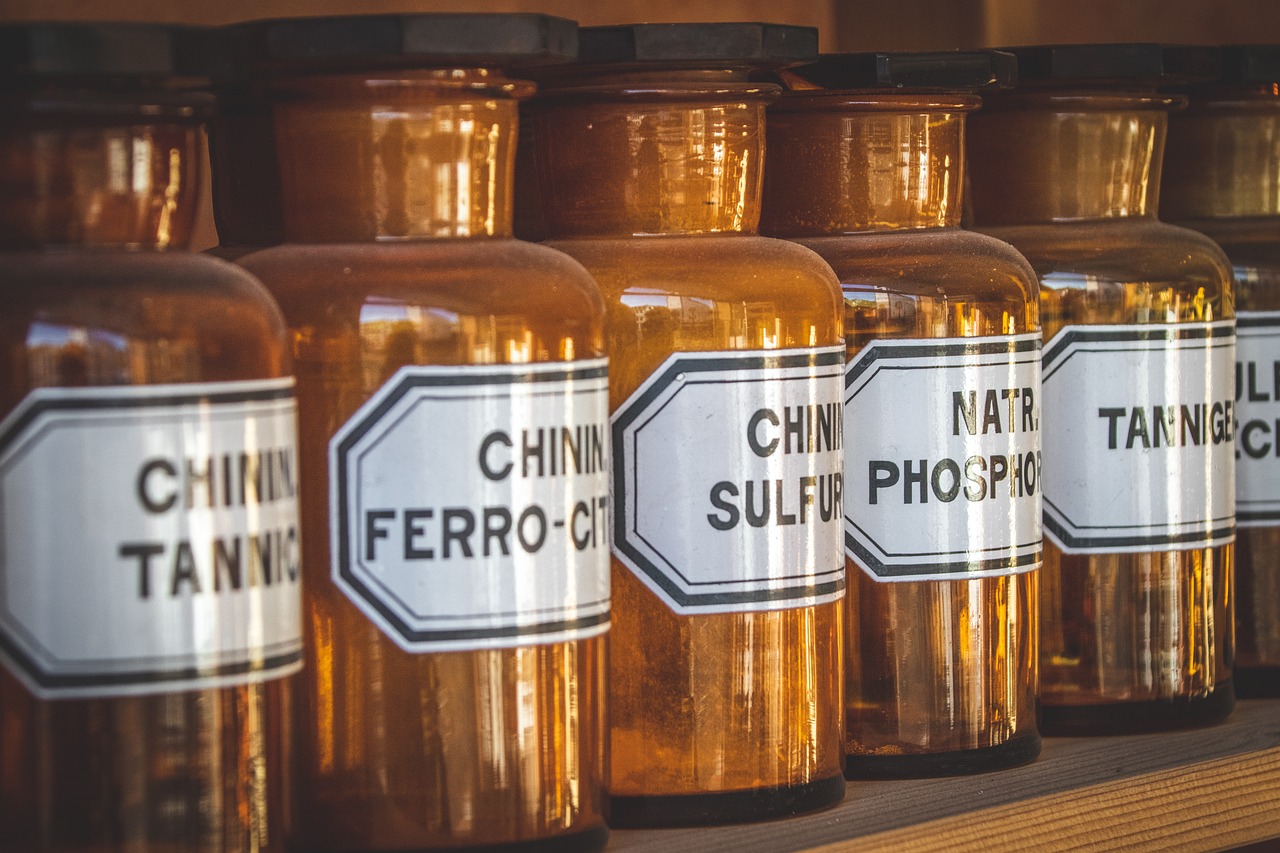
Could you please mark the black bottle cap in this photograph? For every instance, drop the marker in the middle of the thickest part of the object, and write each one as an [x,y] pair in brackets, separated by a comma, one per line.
[755,45]
[943,70]
[138,54]
[1102,64]
[1250,63]
[424,41]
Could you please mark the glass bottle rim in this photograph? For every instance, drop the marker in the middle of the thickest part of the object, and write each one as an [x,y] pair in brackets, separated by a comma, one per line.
[1074,100]
[1236,97]
[69,102]
[427,84]
[870,100]
[673,93]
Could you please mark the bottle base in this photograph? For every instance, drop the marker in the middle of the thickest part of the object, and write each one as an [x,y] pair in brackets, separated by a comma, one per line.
[1129,718]
[1257,682]
[586,841]
[1014,752]
[729,807]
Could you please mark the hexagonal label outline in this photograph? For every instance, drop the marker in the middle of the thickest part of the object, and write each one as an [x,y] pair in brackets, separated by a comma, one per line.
[1065,345]
[872,359]
[153,676]
[350,439]
[636,407]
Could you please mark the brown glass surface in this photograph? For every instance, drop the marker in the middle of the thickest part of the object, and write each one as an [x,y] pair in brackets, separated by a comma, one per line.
[1221,162]
[448,749]
[1128,641]
[1222,178]
[653,184]
[940,676]
[200,770]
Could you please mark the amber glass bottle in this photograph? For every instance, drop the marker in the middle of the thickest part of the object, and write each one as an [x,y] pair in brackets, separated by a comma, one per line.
[453,401]
[725,359]
[940,636]
[148,522]
[1136,588]
[1222,178]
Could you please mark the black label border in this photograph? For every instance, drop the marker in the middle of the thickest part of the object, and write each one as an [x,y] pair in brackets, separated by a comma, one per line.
[101,399]
[407,381]
[636,408]
[1023,345]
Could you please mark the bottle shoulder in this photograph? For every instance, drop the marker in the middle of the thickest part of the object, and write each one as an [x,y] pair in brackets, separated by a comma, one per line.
[489,276]
[1252,244]
[113,282]
[1248,242]
[123,317]
[939,263]
[1120,251]
[736,267]
[1125,272]
[431,302]
[187,272]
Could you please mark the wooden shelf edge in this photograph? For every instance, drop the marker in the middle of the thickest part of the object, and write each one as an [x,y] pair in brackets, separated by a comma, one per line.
[1202,789]
[1209,806]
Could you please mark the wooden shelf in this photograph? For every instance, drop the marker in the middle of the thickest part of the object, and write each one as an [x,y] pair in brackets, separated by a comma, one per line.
[1206,789]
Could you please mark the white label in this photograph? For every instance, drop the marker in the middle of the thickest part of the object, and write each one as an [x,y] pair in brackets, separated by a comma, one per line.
[1258,418]
[150,538]
[942,458]
[727,480]
[469,505]
[1138,438]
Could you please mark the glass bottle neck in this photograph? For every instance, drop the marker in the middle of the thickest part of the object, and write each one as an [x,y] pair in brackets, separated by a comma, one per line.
[673,157]
[77,181]
[1066,157]
[1223,157]
[843,163]
[403,155]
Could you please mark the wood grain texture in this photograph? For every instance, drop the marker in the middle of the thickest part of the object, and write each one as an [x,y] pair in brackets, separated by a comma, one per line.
[1211,806]
[1204,789]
